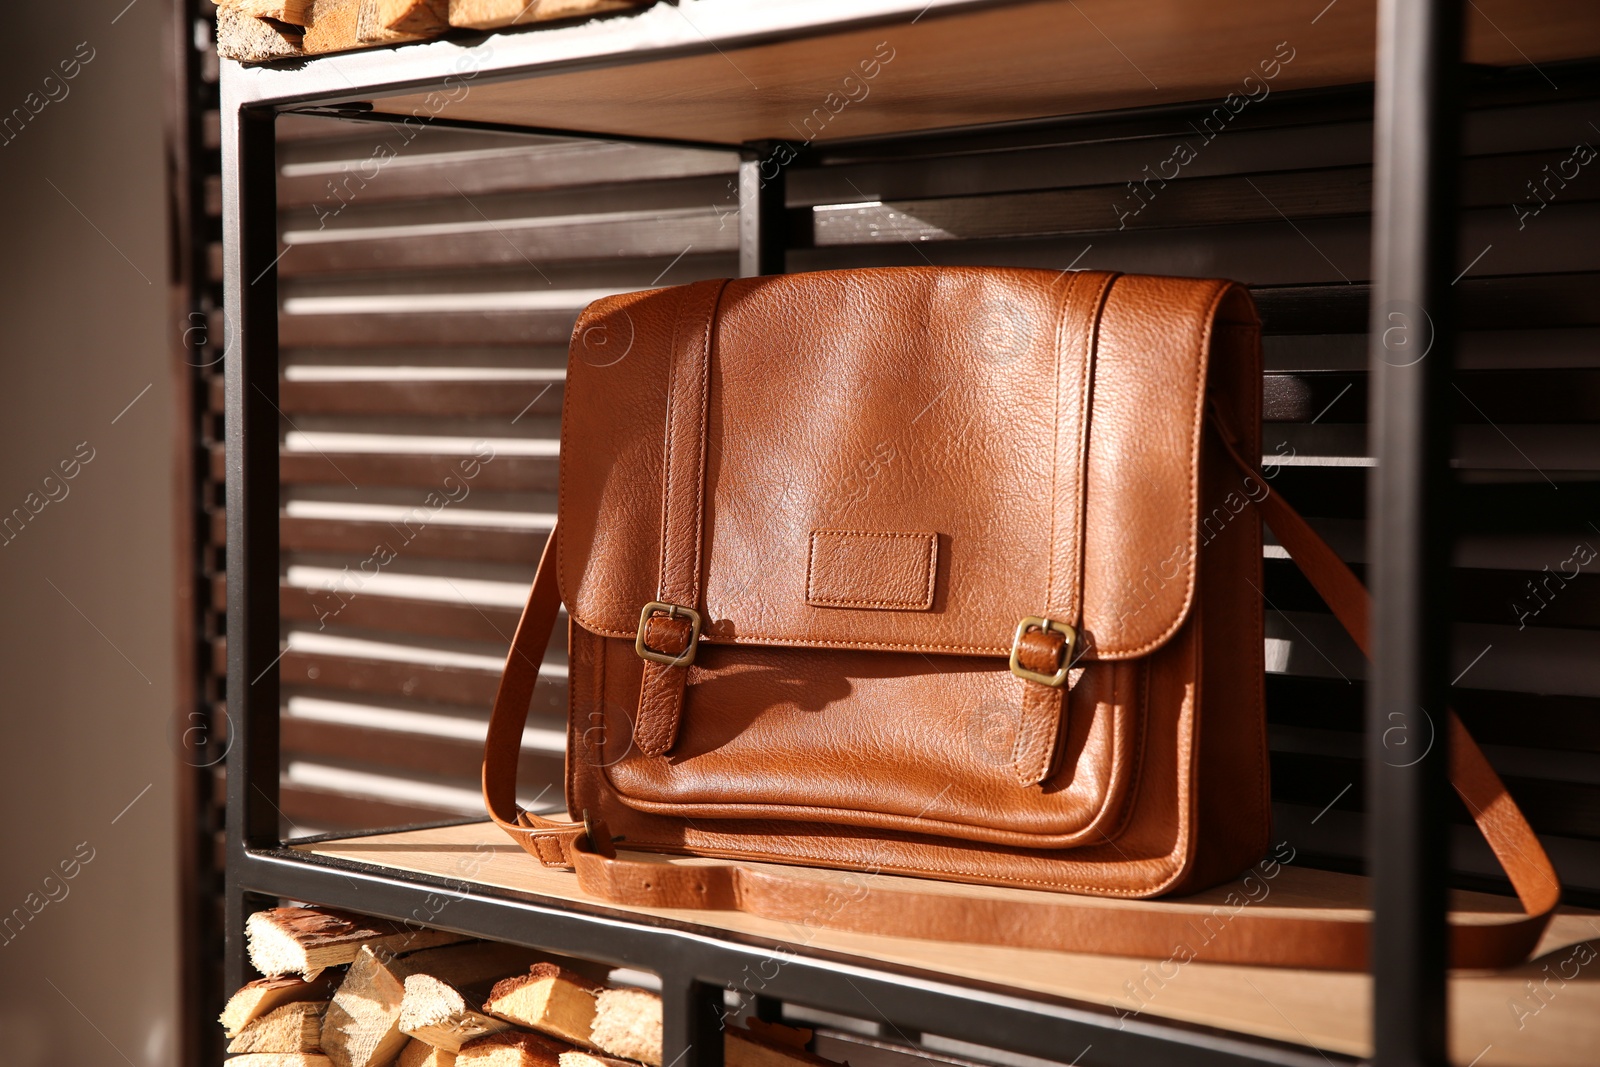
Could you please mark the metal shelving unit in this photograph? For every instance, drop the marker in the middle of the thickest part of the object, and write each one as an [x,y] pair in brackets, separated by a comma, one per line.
[1417,118]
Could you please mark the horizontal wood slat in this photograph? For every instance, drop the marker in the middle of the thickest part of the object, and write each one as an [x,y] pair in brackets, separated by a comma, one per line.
[434,541]
[1525,396]
[500,169]
[479,397]
[431,328]
[505,474]
[1499,303]
[487,399]
[360,539]
[403,615]
[441,757]
[1524,720]
[513,242]
[461,686]
[1149,201]
[1566,809]
[1091,209]
[327,810]
[1520,598]
[454,685]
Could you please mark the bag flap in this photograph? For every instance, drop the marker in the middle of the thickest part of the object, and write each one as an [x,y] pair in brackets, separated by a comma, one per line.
[906,458]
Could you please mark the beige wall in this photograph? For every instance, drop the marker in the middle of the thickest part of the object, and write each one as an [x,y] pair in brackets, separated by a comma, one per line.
[86,587]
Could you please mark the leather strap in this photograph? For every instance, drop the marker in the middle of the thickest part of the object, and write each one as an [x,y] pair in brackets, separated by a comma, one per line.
[1502,823]
[552,843]
[683,481]
[1121,928]
[1043,719]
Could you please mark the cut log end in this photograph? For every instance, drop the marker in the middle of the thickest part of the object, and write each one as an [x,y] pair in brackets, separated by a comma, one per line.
[512,1049]
[423,17]
[292,1028]
[363,1024]
[266,995]
[294,12]
[280,1059]
[627,1023]
[422,1054]
[253,40]
[549,999]
[307,941]
[437,1013]
[497,14]
[584,1058]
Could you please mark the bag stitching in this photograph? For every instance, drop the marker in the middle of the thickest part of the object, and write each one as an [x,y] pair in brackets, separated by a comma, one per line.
[1201,366]
[922,604]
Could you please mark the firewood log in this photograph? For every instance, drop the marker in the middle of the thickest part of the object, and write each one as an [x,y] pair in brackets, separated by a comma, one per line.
[305,941]
[421,1054]
[584,1058]
[627,1023]
[444,1016]
[292,1028]
[425,17]
[362,1026]
[266,995]
[493,14]
[550,999]
[512,1049]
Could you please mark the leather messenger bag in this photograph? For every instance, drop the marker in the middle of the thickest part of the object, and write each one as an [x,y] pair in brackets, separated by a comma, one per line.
[950,573]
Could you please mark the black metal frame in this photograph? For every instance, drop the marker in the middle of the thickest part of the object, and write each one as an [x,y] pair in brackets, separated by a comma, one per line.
[1417,115]
[1414,222]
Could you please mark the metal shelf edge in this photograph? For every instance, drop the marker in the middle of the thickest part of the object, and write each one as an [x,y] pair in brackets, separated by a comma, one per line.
[1020,1021]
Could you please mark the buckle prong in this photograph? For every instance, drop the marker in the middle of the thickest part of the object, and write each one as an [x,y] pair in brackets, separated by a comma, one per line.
[1039,622]
[682,659]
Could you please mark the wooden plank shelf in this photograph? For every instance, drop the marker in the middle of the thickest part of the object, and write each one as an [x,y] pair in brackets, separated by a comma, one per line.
[994,64]
[729,72]
[1540,1013]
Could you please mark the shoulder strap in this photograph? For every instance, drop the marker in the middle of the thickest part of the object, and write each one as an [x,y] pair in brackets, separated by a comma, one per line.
[552,843]
[1117,928]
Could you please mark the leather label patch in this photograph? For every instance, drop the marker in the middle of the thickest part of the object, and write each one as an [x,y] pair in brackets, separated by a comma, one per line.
[872,570]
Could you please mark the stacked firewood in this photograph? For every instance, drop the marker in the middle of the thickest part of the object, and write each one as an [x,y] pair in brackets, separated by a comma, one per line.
[346,991]
[259,30]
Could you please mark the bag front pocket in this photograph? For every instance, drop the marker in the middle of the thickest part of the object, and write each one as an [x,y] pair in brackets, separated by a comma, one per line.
[900,741]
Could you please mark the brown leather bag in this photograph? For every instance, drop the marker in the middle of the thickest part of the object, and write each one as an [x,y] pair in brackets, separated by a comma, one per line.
[944,572]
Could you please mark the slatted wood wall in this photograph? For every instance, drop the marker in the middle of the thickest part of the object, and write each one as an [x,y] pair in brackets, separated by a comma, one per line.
[426,304]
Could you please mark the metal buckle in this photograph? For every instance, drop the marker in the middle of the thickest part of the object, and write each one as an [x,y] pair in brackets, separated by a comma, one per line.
[1035,622]
[684,658]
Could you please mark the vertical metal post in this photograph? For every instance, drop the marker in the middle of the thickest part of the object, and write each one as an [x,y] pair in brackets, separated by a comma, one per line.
[762,218]
[249,239]
[691,1033]
[1412,341]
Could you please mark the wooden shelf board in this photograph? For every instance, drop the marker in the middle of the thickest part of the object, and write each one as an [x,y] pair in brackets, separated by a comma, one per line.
[1494,1016]
[990,64]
